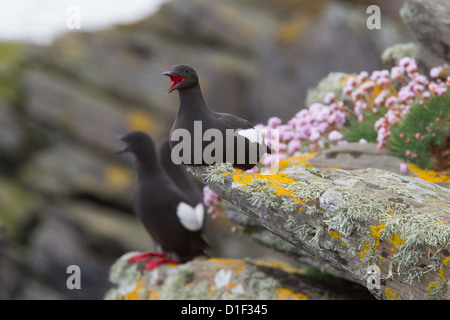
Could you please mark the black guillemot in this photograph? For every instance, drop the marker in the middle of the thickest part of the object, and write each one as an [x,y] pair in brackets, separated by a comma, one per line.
[174,220]
[200,136]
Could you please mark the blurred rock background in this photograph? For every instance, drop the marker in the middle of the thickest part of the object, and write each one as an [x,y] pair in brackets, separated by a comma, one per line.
[65,197]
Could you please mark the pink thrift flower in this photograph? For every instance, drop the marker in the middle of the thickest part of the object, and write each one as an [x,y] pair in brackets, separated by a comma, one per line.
[274,122]
[420,78]
[359,106]
[335,135]
[404,62]
[435,72]
[441,90]
[329,97]
[417,87]
[293,146]
[347,89]
[366,86]
[407,153]
[362,141]
[412,67]
[426,94]
[403,168]
[418,135]
[390,101]
[314,135]
[397,72]
[209,196]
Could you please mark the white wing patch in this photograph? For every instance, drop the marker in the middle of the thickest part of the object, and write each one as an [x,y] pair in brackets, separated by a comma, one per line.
[191,218]
[253,134]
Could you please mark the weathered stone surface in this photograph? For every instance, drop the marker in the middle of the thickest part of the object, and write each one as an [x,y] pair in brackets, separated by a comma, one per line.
[13,138]
[93,118]
[429,21]
[352,220]
[71,170]
[357,156]
[223,279]
[85,235]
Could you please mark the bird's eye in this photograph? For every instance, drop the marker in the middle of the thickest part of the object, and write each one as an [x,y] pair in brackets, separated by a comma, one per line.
[187,71]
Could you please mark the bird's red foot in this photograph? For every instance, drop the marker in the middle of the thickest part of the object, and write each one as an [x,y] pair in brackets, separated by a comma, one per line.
[153,264]
[145,256]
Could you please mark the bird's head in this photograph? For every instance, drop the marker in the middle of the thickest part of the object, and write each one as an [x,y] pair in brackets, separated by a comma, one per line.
[182,76]
[136,142]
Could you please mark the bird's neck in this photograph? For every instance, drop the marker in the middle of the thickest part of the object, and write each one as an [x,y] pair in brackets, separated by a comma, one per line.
[147,166]
[191,100]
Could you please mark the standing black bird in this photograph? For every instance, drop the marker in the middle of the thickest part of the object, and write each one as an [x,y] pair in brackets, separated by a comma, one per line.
[174,221]
[178,173]
[240,142]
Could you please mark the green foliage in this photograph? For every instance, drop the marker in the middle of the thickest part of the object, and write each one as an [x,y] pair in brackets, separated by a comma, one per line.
[355,130]
[426,126]
[10,55]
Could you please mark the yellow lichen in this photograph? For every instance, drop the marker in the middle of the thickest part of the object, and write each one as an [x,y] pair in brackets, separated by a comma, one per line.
[295,161]
[118,177]
[433,287]
[277,265]
[375,232]
[428,175]
[396,240]
[139,121]
[134,294]
[392,294]
[239,270]
[446,260]
[443,277]
[153,296]
[287,294]
[334,234]
[273,180]
[227,261]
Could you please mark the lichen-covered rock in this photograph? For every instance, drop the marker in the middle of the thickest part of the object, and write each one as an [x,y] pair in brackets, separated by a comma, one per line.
[352,220]
[223,279]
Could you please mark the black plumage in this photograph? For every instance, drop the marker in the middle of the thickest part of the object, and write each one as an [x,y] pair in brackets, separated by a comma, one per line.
[178,173]
[165,211]
[244,149]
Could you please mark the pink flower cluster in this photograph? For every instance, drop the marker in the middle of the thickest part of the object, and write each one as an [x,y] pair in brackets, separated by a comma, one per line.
[210,199]
[310,130]
[378,93]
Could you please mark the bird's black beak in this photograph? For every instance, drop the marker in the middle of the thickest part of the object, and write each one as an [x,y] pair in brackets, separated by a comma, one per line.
[176,80]
[122,149]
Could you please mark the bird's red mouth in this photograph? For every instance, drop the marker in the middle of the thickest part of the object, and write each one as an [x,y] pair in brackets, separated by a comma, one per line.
[176,80]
